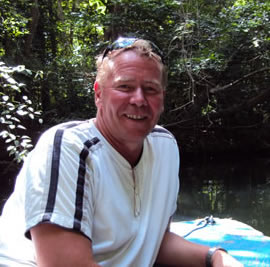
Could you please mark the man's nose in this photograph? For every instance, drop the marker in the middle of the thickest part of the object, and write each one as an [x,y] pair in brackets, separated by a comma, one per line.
[138,97]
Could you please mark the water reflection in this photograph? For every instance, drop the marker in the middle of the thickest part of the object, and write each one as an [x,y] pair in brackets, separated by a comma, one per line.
[240,190]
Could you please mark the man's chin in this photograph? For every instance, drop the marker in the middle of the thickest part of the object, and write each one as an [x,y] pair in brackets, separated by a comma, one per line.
[136,133]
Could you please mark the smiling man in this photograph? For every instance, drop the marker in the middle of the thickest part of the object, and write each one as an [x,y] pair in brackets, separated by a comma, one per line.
[129,101]
[101,192]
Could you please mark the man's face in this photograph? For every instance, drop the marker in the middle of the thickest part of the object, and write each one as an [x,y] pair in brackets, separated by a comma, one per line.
[130,98]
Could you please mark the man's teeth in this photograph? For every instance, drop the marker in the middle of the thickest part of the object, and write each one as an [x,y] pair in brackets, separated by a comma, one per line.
[135,117]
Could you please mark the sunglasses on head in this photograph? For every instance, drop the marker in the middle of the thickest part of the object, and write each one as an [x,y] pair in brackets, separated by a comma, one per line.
[126,42]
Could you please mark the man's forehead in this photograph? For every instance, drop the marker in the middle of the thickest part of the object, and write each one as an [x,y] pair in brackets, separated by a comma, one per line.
[127,78]
[120,68]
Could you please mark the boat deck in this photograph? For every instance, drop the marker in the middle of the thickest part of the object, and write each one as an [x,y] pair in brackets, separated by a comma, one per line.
[242,241]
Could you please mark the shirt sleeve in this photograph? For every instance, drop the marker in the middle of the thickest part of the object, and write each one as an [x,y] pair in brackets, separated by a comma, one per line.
[59,183]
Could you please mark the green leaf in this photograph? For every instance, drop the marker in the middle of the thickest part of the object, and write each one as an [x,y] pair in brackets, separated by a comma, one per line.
[5,98]
[21,127]
[4,134]
[22,112]
[9,148]
[31,116]
[12,126]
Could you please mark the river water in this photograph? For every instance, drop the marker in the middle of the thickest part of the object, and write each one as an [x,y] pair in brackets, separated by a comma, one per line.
[223,188]
[227,189]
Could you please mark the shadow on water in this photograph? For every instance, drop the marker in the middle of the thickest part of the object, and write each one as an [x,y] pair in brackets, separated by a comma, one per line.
[234,189]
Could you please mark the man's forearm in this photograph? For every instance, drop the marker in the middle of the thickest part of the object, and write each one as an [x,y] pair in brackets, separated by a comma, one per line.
[177,251]
[57,246]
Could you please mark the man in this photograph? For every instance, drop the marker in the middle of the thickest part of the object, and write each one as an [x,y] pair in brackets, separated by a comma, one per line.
[102,192]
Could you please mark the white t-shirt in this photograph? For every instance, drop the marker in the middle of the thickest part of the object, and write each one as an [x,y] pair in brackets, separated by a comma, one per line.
[74,178]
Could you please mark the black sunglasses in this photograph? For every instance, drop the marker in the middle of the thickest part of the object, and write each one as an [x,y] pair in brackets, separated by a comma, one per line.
[123,42]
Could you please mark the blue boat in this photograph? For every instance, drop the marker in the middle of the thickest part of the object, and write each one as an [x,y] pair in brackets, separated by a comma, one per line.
[246,244]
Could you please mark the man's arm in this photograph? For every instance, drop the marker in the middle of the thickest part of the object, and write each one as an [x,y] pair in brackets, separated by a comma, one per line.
[176,251]
[56,246]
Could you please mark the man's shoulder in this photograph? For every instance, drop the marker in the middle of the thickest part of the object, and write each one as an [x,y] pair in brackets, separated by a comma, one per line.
[160,131]
[70,132]
[72,125]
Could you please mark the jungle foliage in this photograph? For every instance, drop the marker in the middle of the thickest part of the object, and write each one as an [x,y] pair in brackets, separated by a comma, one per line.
[217,54]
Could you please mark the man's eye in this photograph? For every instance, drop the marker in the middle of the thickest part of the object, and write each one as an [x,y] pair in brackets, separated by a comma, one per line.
[151,90]
[124,87]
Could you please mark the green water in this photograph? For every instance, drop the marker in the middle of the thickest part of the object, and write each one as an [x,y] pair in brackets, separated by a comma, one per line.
[238,190]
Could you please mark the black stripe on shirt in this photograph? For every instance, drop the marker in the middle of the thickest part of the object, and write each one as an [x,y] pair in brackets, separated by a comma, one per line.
[80,183]
[55,171]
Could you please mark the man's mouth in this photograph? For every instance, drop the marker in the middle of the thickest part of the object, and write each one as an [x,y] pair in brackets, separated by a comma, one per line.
[135,117]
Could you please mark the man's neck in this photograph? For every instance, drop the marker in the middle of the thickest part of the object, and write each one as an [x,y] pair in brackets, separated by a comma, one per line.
[131,151]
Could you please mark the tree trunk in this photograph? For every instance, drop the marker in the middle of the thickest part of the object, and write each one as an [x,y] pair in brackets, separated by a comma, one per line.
[33,27]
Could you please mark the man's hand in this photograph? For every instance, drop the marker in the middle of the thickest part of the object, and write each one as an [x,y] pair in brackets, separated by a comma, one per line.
[223,259]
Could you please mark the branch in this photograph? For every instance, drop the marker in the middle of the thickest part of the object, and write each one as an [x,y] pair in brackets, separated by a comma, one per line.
[217,89]
[183,106]
[246,104]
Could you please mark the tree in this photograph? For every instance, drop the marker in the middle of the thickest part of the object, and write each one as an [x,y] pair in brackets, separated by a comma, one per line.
[15,106]
[220,68]
[217,54]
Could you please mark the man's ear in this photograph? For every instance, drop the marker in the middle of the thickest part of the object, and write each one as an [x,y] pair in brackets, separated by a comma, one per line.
[97,93]
[96,86]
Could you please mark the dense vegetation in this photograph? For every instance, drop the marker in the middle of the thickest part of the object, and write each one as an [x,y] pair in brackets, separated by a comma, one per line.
[217,53]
